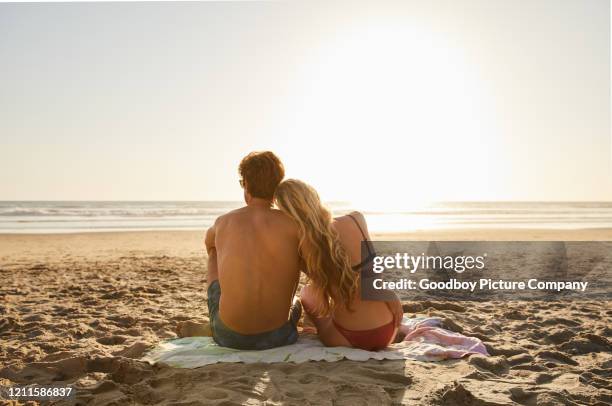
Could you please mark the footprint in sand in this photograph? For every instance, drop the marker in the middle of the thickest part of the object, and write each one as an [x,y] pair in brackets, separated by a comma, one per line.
[123,321]
[111,340]
[587,343]
[523,396]
[453,394]
[312,379]
[215,394]
[507,350]
[133,351]
[497,365]
[556,356]
[555,321]
[515,315]
[543,378]
[560,335]
[447,306]
[47,372]
[384,376]
[294,395]
[520,359]
[589,378]
[104,386]
[129,371]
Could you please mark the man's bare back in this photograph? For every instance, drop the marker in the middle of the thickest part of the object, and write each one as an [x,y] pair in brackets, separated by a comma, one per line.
[256,260]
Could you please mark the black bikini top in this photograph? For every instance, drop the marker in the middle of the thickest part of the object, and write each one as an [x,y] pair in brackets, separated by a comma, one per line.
[371,252]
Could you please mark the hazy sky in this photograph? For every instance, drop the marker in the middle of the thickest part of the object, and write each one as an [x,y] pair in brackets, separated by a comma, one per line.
[376,102]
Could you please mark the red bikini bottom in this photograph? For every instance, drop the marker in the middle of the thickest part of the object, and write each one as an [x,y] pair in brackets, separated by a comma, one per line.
[370,340]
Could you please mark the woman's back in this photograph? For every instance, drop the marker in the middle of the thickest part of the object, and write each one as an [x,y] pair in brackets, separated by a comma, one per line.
[352,230]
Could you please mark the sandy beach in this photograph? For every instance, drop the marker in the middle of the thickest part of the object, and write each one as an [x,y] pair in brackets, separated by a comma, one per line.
[83,308]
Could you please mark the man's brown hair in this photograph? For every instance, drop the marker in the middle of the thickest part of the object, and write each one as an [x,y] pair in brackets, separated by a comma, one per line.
[260,173]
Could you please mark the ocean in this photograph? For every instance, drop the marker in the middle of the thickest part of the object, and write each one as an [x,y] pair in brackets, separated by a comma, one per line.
[90,216]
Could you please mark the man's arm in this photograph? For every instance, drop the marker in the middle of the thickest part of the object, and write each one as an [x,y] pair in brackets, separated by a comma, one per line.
[211,249]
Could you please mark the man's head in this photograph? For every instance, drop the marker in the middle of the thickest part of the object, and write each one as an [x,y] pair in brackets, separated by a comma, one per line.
[260,174]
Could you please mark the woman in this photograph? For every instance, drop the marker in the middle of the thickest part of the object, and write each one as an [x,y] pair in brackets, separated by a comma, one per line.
[331,253]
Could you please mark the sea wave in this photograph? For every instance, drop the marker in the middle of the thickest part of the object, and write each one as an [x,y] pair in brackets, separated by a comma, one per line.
[108,212]
[49,217]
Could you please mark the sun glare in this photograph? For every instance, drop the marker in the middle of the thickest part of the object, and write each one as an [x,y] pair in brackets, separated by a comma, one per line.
[411,106]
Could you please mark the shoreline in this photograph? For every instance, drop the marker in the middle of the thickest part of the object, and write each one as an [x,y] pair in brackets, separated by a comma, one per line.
[189,243]
[421,231]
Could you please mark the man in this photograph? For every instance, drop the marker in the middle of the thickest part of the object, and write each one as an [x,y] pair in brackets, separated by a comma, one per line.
[253,264]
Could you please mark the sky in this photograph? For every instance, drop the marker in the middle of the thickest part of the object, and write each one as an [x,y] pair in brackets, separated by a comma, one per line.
[386,103]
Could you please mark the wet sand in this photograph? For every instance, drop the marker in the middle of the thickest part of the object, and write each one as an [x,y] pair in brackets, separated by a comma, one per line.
[83,308]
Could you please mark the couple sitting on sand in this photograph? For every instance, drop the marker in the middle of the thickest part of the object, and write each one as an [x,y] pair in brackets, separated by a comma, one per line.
[256,253]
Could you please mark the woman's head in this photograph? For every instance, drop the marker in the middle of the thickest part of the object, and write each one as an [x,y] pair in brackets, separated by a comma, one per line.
[327,263]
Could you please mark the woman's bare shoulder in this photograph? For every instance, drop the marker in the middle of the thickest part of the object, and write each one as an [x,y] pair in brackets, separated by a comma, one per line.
[352,217]
[354,214]
[357,214]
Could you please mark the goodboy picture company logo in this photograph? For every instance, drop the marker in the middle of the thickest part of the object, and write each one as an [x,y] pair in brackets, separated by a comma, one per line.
[516,270]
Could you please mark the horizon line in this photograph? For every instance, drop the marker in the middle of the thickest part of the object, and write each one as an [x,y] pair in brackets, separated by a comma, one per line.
[328,201]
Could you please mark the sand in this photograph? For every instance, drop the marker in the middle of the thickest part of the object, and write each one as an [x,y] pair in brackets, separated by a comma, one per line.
[82,309]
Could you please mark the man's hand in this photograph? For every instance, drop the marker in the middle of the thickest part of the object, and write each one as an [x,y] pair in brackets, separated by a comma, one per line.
[395,306]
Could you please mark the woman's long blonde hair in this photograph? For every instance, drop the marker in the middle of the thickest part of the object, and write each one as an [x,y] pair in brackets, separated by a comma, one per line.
[327,263]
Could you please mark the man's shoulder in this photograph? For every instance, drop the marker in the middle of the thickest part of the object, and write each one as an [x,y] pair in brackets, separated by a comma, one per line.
[286,223]
[277,216]
[233,213]
[224,218]
[279,213]
[281,216]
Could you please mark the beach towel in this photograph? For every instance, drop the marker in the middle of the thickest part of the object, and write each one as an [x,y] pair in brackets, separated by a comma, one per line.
[425,340]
